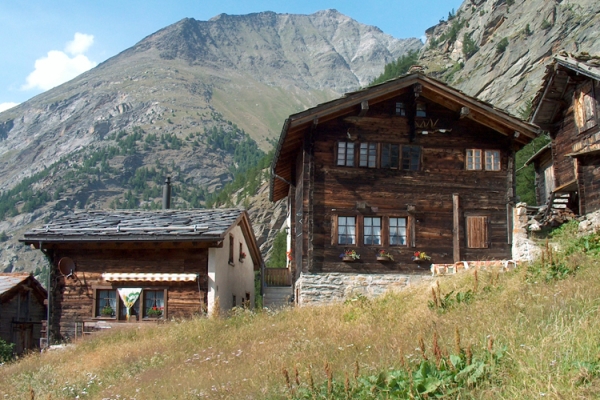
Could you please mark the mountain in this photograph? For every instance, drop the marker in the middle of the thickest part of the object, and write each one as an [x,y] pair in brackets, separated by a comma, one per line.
[497,50]
[198,101]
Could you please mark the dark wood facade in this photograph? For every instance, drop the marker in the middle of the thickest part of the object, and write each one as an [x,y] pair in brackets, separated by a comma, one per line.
[177,261]
[413,184]
[568,107]
[22,310]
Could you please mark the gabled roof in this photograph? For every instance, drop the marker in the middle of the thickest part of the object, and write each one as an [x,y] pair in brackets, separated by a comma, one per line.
[9,283]
[296,125]
[195,225]
[561,72]
[11,280]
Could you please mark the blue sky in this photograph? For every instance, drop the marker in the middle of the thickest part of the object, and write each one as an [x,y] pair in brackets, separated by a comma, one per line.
[45,43]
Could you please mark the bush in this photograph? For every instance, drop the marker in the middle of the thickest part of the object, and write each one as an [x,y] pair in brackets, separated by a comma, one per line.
[502,45]
[6,351]
[546,24]
[469,46]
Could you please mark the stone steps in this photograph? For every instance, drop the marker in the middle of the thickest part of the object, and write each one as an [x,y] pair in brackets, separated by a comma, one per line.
[275,297]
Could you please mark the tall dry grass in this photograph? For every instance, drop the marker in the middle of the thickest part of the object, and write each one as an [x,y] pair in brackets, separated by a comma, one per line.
[551,331]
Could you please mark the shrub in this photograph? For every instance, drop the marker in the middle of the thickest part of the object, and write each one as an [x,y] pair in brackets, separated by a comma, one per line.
[546,24]
[6,351]
[469,46]
[502,45]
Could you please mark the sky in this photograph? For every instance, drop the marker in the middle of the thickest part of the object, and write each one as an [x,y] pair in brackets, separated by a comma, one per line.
[46,43]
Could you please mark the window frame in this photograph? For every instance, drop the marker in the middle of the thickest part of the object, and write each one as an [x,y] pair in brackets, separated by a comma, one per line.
[421,109]
[369,160]
[231,249]
[389,231]
[387,151]
[336,235]
[349,155]
[119,303]
[585,110]
[494,162]
[373,234]
[400,109]
[403,159]
[470,160]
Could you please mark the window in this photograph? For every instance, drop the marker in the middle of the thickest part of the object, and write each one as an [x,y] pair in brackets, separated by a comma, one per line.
[585,107]
[397,231]
[106,303]
[234,301]
[231,249]
[477,232]
[411,156]
[346,230]
[368,155]
[372,231]
[477,159]
[400,109]
[345,155]
[473,159]
[154,303]
[390,155]
[492,160]
[421,109]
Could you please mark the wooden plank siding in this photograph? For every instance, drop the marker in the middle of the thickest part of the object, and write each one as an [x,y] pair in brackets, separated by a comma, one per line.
[73,299]
[360,191]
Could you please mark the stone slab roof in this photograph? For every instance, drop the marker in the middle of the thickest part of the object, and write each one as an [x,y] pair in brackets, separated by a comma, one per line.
[130,225]
[9,281]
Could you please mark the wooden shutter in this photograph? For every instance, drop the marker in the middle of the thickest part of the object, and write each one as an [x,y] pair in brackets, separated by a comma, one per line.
[477,232]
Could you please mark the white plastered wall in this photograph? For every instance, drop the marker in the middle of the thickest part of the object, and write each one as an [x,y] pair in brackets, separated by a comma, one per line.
[225,279]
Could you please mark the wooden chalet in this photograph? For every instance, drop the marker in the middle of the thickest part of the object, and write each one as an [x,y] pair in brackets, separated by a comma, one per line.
[405,166]
[567,106]
[117,266]
[22,310]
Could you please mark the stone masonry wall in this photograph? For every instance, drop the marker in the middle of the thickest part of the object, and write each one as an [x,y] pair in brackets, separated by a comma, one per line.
[337,287]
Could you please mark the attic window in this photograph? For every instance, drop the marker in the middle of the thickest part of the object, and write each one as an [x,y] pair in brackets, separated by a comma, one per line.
[585,107]
[345,154]
[492,160]
[368,155]
[421,109]
[473,160]
[411,158]
[400,109]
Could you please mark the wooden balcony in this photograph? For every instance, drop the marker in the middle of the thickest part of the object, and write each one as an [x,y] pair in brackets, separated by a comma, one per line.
[278,277]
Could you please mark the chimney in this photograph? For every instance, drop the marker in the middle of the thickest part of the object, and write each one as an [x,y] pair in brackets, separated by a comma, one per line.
[167,194]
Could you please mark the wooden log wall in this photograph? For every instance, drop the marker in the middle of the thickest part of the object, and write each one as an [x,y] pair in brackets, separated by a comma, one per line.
[589,183]
[10,312]
[386,192]
[73,299]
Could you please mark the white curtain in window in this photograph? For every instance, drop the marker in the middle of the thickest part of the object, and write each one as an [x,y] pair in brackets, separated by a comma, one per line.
[129,297]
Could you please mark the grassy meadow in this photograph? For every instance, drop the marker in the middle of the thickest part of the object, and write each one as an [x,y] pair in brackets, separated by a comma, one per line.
[529,333]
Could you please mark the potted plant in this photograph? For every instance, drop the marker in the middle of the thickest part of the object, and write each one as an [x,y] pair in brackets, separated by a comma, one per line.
[242,256]
[107,311]
[420,257]
[383,255]
[154,312]
[350,256]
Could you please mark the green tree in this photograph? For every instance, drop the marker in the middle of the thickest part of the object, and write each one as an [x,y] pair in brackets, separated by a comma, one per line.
[278,251]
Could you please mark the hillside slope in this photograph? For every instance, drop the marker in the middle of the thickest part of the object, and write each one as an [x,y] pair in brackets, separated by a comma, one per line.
[497,50]
[529,333]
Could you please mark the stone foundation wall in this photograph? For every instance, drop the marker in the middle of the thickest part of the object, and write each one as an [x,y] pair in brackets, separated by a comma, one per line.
[337,287]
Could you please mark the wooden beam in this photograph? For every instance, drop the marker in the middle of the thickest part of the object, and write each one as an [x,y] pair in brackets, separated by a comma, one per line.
[364,108]
[455,227]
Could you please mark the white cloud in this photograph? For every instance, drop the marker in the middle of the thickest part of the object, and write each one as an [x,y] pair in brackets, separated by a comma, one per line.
[6,106]
[80,44]
[57,67]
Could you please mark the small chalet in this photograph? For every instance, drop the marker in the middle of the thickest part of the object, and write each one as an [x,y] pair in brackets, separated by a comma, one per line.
[116,266]
[22,310]
[379,176]
[568,107]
